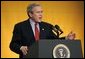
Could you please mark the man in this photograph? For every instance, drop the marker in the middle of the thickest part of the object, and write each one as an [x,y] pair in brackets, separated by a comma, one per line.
[27,32]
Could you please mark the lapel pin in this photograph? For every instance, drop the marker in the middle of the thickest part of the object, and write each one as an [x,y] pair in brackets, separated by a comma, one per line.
[42,28]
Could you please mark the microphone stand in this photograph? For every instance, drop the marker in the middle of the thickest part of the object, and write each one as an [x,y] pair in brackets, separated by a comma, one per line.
[57,34]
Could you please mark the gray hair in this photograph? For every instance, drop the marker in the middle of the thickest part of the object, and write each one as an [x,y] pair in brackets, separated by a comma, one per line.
[30,7]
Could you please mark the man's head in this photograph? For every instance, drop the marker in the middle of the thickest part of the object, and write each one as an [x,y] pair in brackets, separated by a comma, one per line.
[34,11]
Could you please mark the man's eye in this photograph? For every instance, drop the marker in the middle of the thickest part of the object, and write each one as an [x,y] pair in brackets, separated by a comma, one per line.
[39,12]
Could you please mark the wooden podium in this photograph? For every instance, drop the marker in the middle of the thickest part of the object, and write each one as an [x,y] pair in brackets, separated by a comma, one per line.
[55,48]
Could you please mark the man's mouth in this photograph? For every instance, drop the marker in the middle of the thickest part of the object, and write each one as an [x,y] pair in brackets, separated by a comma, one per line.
[40,17]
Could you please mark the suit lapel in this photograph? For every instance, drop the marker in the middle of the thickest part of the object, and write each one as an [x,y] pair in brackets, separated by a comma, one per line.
[30,30]
[42,31]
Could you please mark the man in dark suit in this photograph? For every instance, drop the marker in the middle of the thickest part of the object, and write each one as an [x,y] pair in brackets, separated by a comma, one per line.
[27,32]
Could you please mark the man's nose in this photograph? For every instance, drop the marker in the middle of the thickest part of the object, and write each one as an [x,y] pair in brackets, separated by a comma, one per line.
[40,14]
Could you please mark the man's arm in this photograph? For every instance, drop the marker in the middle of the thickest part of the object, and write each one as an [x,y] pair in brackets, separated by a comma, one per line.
[16,40]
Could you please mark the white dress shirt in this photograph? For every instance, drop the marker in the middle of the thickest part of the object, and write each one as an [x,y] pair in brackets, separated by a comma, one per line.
[33,25]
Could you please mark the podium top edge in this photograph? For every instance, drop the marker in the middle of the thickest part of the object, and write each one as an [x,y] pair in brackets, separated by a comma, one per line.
[62,39]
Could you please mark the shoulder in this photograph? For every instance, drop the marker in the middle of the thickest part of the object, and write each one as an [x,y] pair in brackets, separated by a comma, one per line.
[47,24]
[23,23]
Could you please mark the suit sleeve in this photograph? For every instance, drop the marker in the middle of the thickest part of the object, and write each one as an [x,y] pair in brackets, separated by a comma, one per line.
[16,40]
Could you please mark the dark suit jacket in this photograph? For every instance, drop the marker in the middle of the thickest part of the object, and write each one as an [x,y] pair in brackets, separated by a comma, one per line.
[23,35]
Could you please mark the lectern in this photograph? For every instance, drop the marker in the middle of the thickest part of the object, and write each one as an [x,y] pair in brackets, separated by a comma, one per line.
[55,48]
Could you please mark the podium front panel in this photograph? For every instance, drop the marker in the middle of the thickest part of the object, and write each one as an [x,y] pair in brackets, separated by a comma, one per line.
[44,48]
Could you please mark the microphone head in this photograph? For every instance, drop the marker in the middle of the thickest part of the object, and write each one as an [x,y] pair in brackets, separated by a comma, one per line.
[57,27]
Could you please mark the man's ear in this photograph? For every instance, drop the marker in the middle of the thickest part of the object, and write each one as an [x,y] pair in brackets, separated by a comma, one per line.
[30,14]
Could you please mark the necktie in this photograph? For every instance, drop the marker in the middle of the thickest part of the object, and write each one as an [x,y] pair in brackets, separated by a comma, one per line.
[36,32]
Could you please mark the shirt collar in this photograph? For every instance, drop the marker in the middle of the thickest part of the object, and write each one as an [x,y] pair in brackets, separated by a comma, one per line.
[31,21]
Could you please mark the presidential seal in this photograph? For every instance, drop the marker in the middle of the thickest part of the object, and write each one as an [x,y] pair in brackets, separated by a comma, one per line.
[61,51]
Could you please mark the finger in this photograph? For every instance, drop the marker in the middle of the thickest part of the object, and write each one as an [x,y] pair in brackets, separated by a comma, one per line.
[24,51]
[26,48]
[71,37]
[74,35]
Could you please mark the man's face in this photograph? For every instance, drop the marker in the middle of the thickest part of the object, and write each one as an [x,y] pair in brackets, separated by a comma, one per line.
[36,14]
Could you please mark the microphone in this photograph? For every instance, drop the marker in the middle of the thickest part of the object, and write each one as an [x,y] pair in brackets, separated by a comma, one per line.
[59,29]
